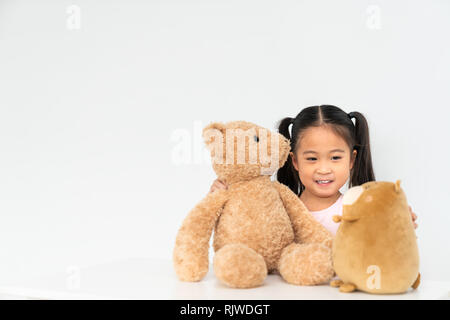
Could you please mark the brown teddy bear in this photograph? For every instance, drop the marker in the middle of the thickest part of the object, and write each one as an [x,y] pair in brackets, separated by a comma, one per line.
[375,248]
[260,226]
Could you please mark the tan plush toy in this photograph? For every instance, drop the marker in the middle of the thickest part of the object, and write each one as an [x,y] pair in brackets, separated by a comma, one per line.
[260,226]
[375,248]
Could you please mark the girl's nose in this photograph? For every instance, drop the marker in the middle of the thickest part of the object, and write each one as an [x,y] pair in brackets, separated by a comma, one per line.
[324,170]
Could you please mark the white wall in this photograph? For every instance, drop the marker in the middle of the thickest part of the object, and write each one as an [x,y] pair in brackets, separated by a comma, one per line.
[88,116]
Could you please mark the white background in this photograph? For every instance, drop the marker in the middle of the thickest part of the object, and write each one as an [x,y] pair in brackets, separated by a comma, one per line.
[91,118]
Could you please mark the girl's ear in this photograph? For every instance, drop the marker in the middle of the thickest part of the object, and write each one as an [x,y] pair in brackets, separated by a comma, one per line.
[294,160]
[353,158]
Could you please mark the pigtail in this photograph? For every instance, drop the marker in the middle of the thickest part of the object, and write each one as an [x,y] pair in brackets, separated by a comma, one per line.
[287,174]
[362,170]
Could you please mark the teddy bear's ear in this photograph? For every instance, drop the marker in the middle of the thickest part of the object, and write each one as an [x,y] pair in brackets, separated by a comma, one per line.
[397,186]
[213,133]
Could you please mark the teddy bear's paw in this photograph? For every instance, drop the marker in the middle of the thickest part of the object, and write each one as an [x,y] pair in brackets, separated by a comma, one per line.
[347,287]
[306,264]
[191,270]
[239,266]
[336,283]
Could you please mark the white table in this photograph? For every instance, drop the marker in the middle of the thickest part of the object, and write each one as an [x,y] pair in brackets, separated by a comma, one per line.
[155,279]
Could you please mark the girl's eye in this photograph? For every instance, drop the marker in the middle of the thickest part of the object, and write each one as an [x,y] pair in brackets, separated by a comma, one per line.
[314,159]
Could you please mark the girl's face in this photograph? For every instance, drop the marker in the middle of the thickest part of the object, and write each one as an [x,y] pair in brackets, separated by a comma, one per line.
[323,160]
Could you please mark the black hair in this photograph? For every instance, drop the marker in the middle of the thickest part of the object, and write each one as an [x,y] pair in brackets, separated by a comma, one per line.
[356,135]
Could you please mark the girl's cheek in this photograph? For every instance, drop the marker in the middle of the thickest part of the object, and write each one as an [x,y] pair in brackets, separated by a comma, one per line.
[305,168]
[342,171]
[306,177]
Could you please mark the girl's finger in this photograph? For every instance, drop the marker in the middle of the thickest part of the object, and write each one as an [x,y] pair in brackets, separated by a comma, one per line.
[217,186]
[214,186]
[222,184]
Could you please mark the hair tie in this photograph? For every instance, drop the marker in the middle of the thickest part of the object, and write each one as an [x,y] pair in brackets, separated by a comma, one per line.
[292,120]
[351,115]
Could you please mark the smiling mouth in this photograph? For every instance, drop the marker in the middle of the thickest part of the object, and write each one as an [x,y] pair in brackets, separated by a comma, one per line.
[324,182]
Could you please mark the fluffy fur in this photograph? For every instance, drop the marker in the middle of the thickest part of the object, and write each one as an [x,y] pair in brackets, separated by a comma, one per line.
[376,230]
[260,226]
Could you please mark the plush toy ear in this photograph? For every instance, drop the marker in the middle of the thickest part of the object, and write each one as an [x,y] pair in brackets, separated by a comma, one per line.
[213,132]
[397,186]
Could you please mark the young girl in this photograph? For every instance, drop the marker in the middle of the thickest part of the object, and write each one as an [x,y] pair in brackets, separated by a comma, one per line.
[327,149]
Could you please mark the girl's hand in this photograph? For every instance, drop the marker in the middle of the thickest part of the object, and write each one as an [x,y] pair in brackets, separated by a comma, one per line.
[218,185]
[413,217]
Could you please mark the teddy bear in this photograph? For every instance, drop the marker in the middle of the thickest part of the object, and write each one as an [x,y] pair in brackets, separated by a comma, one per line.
[375,247]
[260,226]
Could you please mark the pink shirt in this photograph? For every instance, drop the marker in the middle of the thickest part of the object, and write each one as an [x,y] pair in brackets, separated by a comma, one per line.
[325,216]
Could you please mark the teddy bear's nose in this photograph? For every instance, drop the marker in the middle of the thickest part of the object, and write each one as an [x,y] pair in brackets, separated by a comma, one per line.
[352,195]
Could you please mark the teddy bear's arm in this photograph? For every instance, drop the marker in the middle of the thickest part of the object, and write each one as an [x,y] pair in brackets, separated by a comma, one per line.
[190,255]
[306,228]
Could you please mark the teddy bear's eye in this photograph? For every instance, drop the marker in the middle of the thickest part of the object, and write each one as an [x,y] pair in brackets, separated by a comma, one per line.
[256,138]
